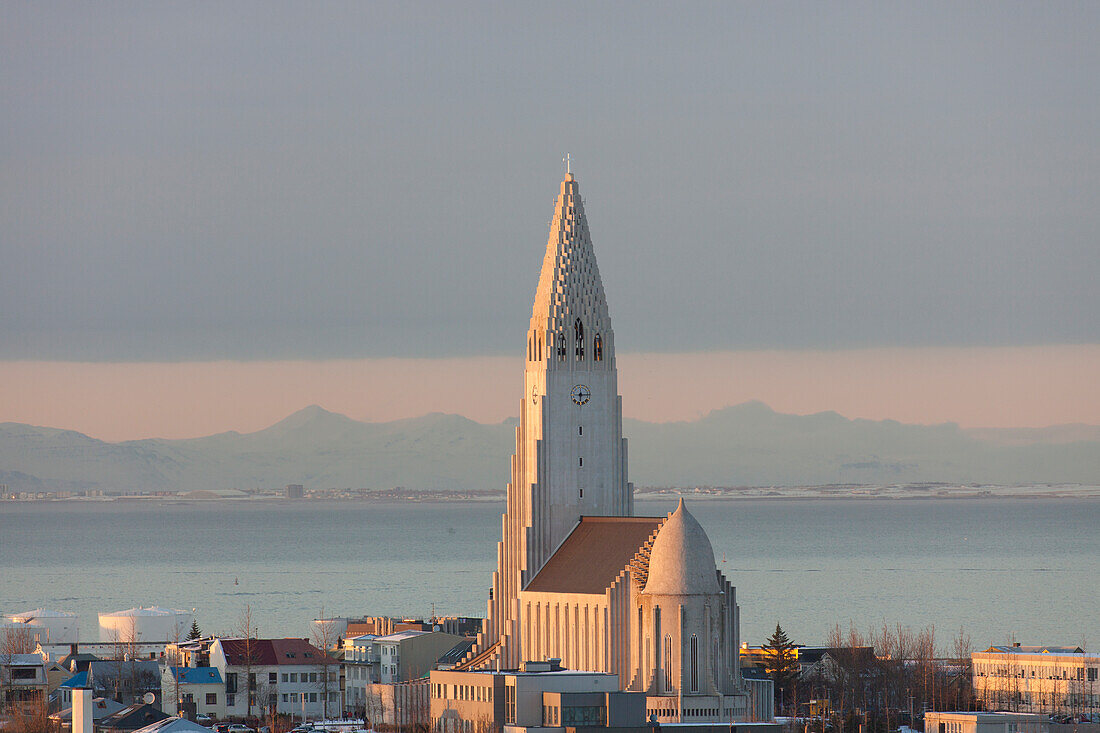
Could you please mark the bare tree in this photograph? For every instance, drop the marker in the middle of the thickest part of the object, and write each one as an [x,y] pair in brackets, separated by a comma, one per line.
[14,641]
[248,632]
[326,638]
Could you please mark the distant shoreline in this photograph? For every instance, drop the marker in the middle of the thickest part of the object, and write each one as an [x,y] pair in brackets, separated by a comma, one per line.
[918,492]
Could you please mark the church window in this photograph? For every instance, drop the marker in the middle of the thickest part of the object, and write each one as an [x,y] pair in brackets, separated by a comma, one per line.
[582,493]
[580,430]
[597,348]
[578,337]
[580,462]
[538,349]
[668,663]
[559,338]
[694,663]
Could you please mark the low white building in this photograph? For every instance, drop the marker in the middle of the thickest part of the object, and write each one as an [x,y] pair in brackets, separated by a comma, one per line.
[985,723]
[543,695]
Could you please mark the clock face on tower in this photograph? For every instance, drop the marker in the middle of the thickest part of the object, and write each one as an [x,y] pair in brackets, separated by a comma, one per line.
[534,394]
[581,394]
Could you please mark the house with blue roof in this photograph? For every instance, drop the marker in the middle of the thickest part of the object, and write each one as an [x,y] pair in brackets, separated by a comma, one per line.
[190,691]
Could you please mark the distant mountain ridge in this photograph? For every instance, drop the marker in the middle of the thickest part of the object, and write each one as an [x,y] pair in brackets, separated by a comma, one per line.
[744,445]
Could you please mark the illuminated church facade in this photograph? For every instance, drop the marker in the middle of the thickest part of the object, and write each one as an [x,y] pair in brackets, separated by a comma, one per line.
[579,577]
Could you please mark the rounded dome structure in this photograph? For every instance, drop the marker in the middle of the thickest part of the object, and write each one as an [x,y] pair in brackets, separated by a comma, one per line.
[681,562]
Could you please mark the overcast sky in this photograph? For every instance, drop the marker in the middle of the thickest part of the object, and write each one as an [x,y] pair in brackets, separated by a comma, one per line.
[191,181]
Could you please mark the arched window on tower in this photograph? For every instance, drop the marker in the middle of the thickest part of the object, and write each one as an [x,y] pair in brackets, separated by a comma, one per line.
[597,348]
[538,349]
[694,663]
[578,338]
[559,344]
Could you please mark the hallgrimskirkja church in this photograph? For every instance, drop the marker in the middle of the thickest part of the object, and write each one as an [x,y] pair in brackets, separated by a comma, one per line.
[580,578]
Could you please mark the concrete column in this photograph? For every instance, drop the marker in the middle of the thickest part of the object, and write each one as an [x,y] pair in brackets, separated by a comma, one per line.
[82,710]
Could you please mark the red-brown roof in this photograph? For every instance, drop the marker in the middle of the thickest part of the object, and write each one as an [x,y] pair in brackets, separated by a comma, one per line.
[594,554]
[265,652]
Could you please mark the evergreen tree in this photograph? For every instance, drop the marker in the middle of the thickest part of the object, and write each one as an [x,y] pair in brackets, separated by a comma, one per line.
[194,633]
[781,664]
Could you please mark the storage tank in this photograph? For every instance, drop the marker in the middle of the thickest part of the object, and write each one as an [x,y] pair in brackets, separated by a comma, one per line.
[46,626]
[152,624]
[329,630]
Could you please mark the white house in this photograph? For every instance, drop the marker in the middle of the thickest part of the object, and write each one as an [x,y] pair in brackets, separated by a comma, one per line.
[193,690]
[291,675]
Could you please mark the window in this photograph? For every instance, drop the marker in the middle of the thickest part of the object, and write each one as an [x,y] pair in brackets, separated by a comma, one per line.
[293,676]
[580,462]
[580,430]
[285,677]
[559,340]
[578,337]
[24,673]
[694,663]
[211,698]
[230,700]
[294,697]
[272,677]
[597,348]
[509,704]
[313,697]
[230,683]
[668,663]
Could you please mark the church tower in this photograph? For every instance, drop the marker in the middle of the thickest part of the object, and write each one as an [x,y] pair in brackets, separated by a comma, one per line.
[570,458]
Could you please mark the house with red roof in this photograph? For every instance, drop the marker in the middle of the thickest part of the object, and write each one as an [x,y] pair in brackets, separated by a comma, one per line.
[290,675]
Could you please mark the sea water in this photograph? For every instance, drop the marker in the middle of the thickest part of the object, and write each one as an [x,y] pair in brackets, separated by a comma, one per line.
[1000,569]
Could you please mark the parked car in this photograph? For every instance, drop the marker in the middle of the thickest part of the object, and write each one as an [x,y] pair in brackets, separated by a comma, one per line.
[240,728]
[221,728]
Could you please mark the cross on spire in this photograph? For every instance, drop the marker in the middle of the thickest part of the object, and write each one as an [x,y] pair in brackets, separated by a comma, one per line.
[568,164]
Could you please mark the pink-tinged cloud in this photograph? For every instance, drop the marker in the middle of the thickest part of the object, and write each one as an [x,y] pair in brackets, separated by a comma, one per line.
[975,387]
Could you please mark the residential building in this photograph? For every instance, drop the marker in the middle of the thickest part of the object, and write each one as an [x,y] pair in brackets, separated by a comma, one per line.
[290,675]
[409,655]
[23,680]
[361,668]
[125,680]
[1055,680]
[130,718]
[100,708]
[190,691]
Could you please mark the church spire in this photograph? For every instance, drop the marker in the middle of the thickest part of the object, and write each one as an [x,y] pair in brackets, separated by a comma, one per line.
[570,315]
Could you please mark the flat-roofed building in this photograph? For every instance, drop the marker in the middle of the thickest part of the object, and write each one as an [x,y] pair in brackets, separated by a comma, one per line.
[1055,680]
[936,722]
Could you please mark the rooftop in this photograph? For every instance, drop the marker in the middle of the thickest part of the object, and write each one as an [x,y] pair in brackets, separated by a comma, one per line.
[401,635]
[197,675]
[1015,649]
[594,554]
